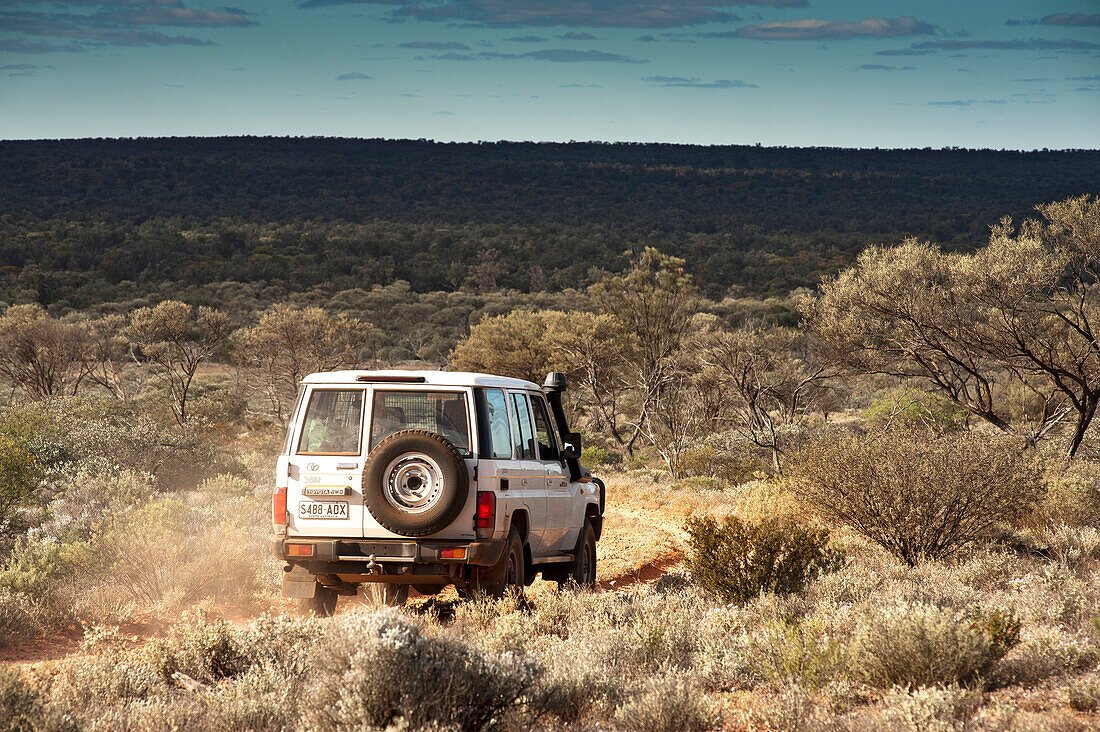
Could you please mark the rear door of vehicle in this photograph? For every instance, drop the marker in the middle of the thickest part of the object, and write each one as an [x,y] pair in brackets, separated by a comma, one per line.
[444,410]
[325,466]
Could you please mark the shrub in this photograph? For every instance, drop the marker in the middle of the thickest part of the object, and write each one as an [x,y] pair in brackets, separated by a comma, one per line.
[918,498]
[21,706]
[730,464]
[1071,498]
[737,560]
[912,644]
[931,708]
[1083,697]
[18,618]
[227,485]
[375,670]
[667,705]
[797,652]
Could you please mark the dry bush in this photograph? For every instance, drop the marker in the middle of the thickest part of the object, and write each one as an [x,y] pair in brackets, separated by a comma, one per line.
[914,644]
[668,705]
[21,706]
[918,498]
[19,618]
[930,709]
[379,669]
[799,652]
[1071,498]
[737,560]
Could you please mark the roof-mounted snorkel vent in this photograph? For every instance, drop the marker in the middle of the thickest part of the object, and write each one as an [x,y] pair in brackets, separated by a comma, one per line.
[555,381]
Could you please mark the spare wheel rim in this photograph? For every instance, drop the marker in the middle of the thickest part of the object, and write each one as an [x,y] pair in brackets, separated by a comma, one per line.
[413,483]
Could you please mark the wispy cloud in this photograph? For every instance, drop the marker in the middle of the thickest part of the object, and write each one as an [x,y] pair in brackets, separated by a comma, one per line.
[966,102]
[527,39]
[353,76]
[1074,19]
[1019,44]
[571,36]
[435,46]
[558,55]
[886,67]
[694,83]
[572,13]
[902,52]
[815,29]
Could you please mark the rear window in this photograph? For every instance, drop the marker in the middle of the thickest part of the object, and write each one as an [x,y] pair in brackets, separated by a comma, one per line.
[441,412]
[332,423]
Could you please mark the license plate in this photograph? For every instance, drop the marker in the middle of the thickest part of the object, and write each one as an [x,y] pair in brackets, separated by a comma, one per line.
[323,509]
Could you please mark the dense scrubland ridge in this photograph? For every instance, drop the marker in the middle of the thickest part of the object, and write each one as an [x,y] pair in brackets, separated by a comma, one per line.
[886,492]
[93,221]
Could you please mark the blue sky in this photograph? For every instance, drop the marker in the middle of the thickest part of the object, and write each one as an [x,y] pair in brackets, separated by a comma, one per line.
[861,73]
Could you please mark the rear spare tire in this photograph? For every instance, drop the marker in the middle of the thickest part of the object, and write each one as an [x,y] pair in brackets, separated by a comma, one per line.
[415,483]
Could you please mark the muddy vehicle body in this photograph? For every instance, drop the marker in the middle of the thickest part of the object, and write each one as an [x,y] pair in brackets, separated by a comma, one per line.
[397,479]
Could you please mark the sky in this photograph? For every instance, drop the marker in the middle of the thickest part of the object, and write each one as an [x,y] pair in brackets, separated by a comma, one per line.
[1014,74]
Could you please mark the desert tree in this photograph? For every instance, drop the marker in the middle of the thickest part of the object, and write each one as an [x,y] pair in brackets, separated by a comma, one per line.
[40,354]
[1020,309]
[288,342]
[175,338]
[654,302]
[107,353]
[774,379]
[513,344]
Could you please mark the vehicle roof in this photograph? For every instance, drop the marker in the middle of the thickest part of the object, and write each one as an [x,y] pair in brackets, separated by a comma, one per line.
[431,378]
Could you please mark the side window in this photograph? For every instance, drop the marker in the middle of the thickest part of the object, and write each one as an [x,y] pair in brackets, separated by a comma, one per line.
[492,419]
[548,447]
[288,445]
[521,428]
[332,423]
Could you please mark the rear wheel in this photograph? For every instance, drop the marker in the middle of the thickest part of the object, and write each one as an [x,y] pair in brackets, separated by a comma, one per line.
[507,573]
[321,605]
[384,593]
[583,571]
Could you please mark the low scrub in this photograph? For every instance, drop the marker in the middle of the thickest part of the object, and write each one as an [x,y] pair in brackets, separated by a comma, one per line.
[737,560]
[919,498]
[913,644]
[380,670]
[668,705]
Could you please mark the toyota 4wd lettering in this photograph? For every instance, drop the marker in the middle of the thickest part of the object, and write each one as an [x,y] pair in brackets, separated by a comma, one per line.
[398,479]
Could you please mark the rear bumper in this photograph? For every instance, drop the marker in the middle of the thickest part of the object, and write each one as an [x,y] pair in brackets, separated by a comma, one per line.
[347,555]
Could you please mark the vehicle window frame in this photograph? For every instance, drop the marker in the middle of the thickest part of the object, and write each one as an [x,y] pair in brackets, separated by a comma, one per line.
[551,427]
[468,398]
[289,441]
[521,453]
[300,424]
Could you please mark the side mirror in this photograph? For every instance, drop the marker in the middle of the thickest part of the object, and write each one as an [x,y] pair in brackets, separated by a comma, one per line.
[571,446]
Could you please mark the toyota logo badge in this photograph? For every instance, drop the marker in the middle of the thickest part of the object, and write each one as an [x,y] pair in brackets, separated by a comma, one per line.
[313,467]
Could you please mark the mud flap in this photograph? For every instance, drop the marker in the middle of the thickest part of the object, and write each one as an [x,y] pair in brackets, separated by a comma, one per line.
[297,582]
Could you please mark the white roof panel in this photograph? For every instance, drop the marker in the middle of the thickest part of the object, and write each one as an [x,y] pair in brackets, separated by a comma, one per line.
[432,378]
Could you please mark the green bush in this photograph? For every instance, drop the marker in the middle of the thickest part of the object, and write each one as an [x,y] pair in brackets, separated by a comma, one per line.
[737,560]
[916,410]
[730,465]
[21,706]
[19,618]
[797,652]
[913,644]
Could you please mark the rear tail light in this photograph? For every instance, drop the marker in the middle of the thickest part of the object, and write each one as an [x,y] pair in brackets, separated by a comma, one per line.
[299,550]
[455,553]
[278,510]
[486,513]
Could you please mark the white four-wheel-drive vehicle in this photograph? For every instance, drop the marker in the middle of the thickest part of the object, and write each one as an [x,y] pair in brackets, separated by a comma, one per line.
[398,479]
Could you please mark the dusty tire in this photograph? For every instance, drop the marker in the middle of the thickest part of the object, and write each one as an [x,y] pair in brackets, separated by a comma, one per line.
[507,573]
[582,573]
[415,483]
[379,594]
[321,605]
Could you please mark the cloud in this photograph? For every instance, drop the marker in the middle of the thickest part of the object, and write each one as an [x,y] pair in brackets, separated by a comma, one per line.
[19,67]
[966,102]
[581,86]
[670,81]
[815,29]
[22,45]
[1074,19]
[902,52]
[1031,44]
[885,67]
[353,76]
[113,23]
[527,39]
[573,13]
[577,37]
[1083,78]
[558,55]
[435,46]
